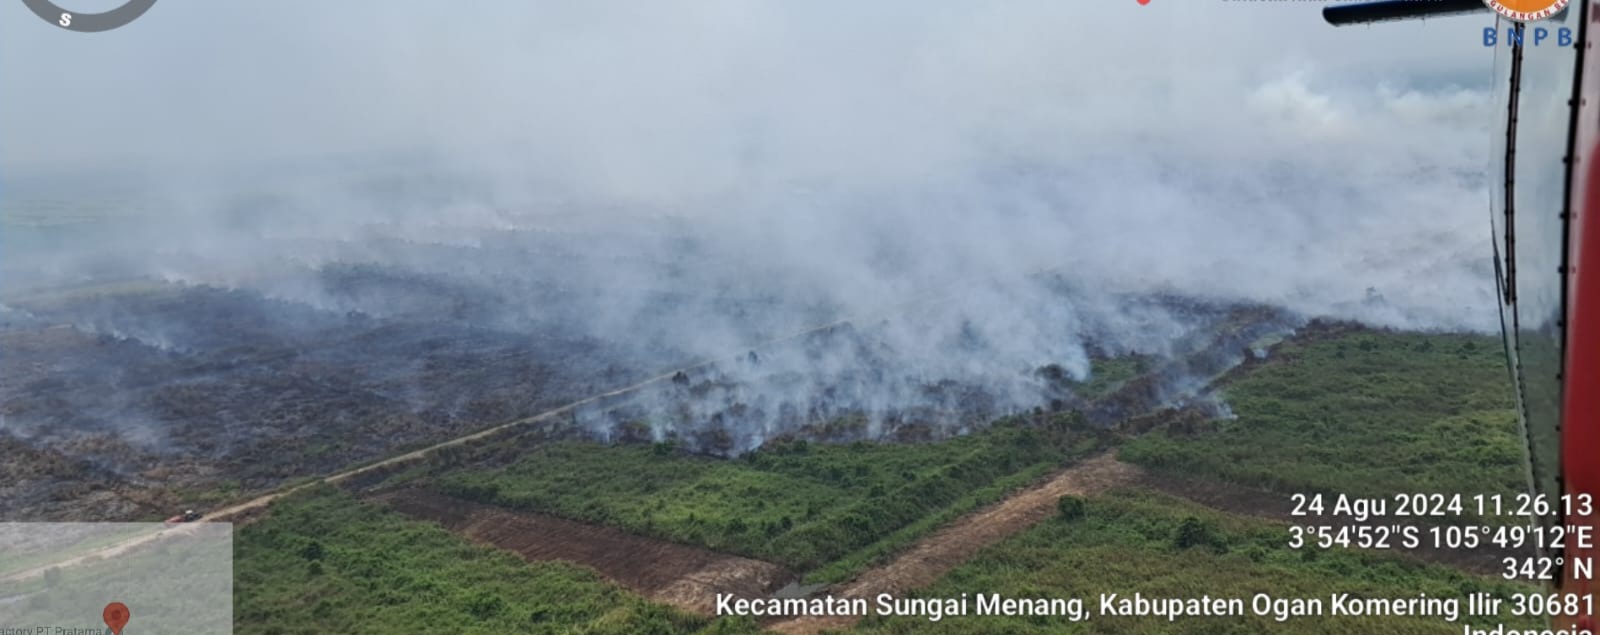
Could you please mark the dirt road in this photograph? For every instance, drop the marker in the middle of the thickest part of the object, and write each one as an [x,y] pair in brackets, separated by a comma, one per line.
[933,556]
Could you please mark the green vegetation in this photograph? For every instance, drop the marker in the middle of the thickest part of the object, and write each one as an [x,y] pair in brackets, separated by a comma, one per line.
[1109,373]
[1140,541]
[1070,507]
[799,504]
[1364,413]
[881,550]
[323,562]
[1106,374]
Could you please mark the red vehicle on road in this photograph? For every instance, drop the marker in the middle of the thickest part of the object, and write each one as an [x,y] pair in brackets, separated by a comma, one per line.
[188,516]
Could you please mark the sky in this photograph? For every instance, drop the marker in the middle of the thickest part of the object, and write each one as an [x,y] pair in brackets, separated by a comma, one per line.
[634,94]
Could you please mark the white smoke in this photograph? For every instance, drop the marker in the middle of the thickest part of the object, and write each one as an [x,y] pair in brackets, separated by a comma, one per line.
[702,177]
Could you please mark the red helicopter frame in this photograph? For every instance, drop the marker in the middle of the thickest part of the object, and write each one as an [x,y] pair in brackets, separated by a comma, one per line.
[1545,212]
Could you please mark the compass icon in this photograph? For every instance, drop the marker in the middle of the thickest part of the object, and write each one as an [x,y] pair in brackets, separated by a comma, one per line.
[89,22]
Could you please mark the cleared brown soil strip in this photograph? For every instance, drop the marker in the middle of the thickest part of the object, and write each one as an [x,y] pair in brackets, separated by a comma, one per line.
[933,556]
[683,576]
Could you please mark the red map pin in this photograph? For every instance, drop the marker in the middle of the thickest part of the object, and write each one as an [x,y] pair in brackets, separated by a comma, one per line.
[116,616]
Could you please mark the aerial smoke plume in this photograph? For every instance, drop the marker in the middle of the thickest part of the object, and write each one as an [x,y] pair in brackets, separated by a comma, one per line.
[978,189]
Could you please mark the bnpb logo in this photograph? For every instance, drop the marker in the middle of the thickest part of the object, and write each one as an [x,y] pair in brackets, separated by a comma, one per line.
[1527,10]
[1533,36]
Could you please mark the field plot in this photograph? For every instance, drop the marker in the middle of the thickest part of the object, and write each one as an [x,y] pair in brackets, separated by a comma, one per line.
[671,573]
[324,562]
[824,497]
[796,503]
[1135,540]
[932,557]
[1358,411]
